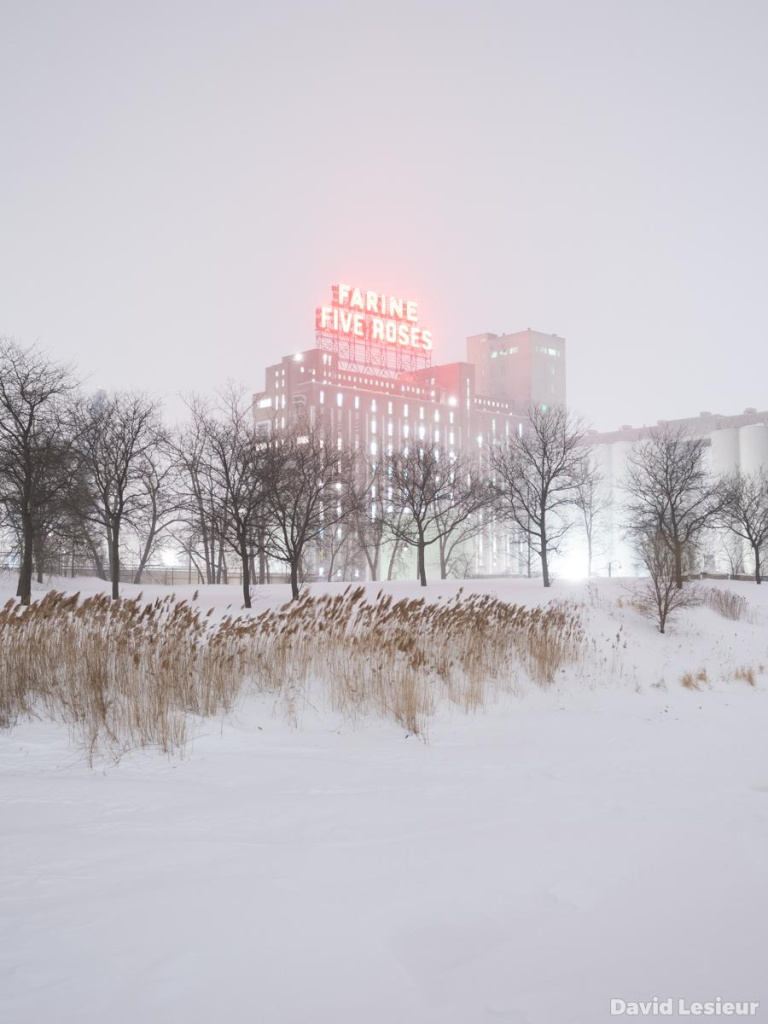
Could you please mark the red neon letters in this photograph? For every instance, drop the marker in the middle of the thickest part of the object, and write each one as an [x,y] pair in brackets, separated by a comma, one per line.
[373,317]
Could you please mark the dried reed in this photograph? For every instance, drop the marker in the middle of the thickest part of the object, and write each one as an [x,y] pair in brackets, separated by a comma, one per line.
[128,673]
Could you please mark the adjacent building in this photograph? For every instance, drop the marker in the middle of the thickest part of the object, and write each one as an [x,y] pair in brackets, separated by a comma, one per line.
[738,442]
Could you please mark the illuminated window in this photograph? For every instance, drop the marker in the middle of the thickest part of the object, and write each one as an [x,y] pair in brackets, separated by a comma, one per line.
[421,412]
[437,415]
[406,431]
[339,399]
[389,408]
[405,409]
[374,447]
[357,401]
[390,428]
[322,398]
[450,417]
[373,424]
[373,405]
[451,438]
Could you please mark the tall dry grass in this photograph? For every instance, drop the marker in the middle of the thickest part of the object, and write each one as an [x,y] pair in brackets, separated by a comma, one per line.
[725,602]
[126,673]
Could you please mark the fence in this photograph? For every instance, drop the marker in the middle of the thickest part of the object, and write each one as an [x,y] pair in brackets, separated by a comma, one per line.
[160,575]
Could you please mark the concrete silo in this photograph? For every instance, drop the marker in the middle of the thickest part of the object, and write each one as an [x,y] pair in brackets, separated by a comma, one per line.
[753,447]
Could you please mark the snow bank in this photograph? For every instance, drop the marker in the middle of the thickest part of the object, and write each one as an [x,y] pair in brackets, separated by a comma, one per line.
[603,838]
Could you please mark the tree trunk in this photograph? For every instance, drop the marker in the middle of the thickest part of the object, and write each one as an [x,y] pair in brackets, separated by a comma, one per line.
[145,556]
[24,589]
[421,548]
[545,566]
[39,555]
[114,561]
[246,576]
[97,560]
[443,560]
[678,565]
[392,558]
[757,566]
[544,554]
[295,578]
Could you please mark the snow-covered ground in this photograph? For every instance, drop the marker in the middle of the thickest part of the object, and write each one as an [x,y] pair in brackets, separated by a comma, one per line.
[605,838]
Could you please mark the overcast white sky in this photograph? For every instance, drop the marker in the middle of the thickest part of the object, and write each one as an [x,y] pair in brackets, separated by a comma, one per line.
[181,183]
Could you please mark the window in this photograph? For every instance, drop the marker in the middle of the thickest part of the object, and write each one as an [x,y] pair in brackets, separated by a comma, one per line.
[339,399]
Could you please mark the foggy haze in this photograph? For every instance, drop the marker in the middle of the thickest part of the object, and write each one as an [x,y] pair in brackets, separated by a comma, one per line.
[183,182]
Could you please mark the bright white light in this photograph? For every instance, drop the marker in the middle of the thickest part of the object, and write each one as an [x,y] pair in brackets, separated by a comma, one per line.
[572,565]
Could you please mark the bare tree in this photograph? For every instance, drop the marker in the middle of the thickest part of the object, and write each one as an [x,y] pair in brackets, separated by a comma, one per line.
[670,493]
[160,506]
[659,596]
[459,516]
[535,478]
[433,497]
[117,436]
[590,500]
[368,486]
[304,493]
[37,449]
[237,458]
[202,504]
[744,512]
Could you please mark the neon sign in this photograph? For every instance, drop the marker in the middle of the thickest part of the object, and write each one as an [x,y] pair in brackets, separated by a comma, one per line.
[355,313]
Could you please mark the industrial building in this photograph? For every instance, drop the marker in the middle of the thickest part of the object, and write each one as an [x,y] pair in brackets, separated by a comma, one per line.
[738,442]
[374,391]
[370,380]
[371,405]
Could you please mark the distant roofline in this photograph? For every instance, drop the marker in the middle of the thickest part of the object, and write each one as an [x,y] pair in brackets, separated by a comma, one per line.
[704,423]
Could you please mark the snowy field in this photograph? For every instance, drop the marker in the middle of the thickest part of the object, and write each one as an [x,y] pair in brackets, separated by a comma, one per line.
[603,838]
